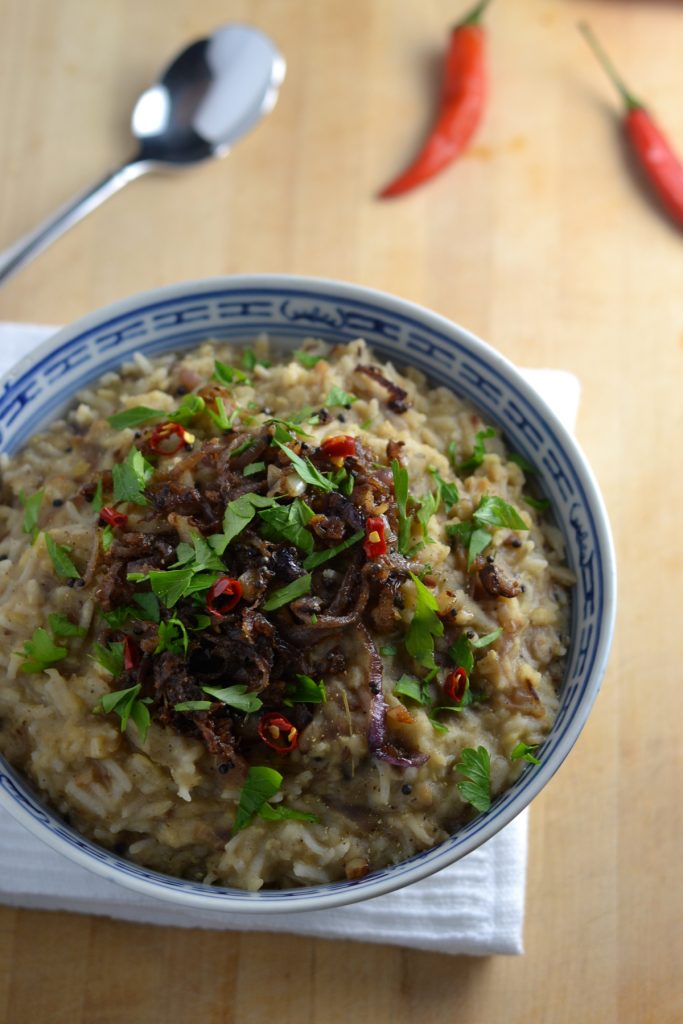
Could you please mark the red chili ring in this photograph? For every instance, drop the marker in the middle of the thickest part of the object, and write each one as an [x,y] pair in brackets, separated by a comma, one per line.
[272,727]
[339,447]
[223,596]
[375,543]
[131,654]
[164,432]
[112,517]
[456,684]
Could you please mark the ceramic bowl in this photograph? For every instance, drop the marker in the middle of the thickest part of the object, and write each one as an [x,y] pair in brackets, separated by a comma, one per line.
[290,308]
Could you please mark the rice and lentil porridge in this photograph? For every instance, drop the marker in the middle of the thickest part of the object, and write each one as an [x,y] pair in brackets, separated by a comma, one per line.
[274,620]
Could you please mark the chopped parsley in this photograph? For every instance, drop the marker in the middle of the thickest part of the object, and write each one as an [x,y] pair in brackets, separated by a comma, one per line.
[338,396]
[307,359]
[31,512]
[320,557]
[238,514]
[540,504]
[220,416]
[131,477]
[428,507]
[127,706]
[400,475]
[59,553]
[388,650]
[305,691]
[478,453]
[190,406]
[41,652]
[97,500]
[416,689]
[110,657]
[523,752]
[305,469]
[424,626]
[523,463]
[147,611]
[474,534]
[448,492]
[253,468]
[261,784]
[169,585]
[475,767]
[237,696]
[484,641]
[289,523]
[228,375]
[172,637]
[134,417]
[107,537]
[250,360]
[63,626]
[297,588]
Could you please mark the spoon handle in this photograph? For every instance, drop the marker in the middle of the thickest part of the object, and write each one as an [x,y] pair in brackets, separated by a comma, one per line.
[26,248]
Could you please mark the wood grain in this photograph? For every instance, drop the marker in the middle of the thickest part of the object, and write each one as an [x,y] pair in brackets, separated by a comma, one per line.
[542,241]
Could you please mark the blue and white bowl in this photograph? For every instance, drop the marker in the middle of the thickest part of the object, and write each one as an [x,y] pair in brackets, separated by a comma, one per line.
[238,308]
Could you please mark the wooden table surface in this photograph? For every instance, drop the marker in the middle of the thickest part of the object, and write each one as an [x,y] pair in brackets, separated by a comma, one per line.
[541,241]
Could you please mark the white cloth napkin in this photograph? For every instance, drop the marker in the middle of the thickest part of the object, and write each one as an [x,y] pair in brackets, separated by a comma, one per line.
[476,906]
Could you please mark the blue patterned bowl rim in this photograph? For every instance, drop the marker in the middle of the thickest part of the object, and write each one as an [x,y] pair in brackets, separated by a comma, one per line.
[290,308]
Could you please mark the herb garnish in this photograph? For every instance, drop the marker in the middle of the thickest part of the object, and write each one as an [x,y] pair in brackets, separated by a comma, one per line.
[400,475]
[448,492]
[97,500]
[250,360]
[59,553]
[238,514]
[478,453]
[62,626]
[31,512]
[253,468]
[319,557]
[475,767]
[416,689]
[474,533]
[228,375]
[297,588]
[220,417]
[540,504]
[305,469]
[134,417]
[131,477]
[523,463]
[172,637]
[424,626]
[307,359]
[41,652]
[110,657]
[126,705]
[237,696]
[305,691]
[263,783]
[523,751]
[288,522]
[338,396]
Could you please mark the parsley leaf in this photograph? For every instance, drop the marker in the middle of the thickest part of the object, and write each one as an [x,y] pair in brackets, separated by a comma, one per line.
[126,705]
[190,406]
[319,557]
[199,555]
[261,784]
[428,506]
[131,477]
[97,500]
[493,511]
[59,554]
[220,417]
[169,585]
[237,696]
[306,470]
[228,375]
[475,767]
[289,523]
[523,751]
[172,637]
[193,705]
[238,514]
[522,463]
[400,475]
[253,468]
[149,607]
[278,812]
[250,360]
[416,689]
[41,652]
[338,396]
[305,691]
[448,492]
[31,512]
[307,359]
[424,626]
[461,654]
[62,626]
[289,593]
[540,504]
[484,641]
[478,453]
[475,539]
[107,537]
[134,417]
[110,657]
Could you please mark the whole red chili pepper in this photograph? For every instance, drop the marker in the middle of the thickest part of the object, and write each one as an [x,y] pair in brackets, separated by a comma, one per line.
[278,732]
[169,438]
[456,684]
[463,95]
[375,543]
[339,447]
[112,517]
[223,596]
[661,165]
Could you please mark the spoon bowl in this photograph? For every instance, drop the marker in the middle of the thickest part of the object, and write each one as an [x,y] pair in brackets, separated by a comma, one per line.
[209,96]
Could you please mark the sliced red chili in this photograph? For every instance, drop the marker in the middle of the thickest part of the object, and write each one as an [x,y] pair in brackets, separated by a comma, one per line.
[456,684]
[112,517]
[223,596]
[375,543]
[169,438]
[339,446]
[131,654]
[278,732]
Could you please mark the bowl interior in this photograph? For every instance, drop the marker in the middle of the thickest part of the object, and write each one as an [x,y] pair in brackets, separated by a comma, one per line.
[290,309]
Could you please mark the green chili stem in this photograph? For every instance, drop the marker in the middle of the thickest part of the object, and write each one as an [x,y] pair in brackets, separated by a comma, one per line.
[629,99]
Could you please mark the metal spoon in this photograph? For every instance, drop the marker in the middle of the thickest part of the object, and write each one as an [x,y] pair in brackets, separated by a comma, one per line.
[207,98]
